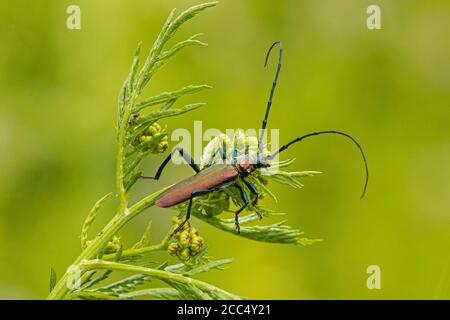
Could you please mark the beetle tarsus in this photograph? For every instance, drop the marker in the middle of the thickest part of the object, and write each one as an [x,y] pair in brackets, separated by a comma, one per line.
[145,177]
[236,223]
[258,213]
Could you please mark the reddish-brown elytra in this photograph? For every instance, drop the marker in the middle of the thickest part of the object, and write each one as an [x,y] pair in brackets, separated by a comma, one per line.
[219,176]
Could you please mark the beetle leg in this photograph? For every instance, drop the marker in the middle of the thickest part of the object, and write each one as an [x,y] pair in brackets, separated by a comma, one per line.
[255,192]
[185,156]
[194,194]
[222,154]
[236,214]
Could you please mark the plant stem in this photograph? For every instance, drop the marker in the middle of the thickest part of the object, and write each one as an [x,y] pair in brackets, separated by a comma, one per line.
[158,274]
[96,246]
[137,251]
[119,163]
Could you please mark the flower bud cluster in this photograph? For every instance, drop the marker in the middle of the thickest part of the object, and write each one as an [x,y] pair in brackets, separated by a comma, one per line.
[187,242]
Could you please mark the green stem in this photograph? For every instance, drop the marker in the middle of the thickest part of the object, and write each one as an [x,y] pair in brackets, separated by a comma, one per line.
[165,276]
[97,245]
[137,251]
[120,173]
[121,192]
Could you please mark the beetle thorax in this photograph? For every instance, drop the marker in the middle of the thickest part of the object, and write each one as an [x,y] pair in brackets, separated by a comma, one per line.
[245,166]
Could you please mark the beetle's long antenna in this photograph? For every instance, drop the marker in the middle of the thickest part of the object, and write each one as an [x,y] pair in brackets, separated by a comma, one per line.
[269,103]
[270,157]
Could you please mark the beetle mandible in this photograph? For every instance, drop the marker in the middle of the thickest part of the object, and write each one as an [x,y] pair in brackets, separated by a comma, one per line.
[216,176]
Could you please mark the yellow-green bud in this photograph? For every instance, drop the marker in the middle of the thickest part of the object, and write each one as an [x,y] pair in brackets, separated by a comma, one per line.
[197,243]
[193,232]
[162,146]
[173,248]
[113,245]
[145,138]
[154,129]
[185,254]
[185,238]
[176,220]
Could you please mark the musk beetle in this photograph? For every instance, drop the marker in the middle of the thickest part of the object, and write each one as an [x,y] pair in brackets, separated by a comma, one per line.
[215,176]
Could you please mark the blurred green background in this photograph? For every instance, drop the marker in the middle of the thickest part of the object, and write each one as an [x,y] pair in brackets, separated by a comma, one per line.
[390,88]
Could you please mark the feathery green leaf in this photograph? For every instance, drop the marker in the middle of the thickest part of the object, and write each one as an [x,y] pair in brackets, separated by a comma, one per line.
[90,219]
[145,121]
[274,233]
[155,293]
[52,279]
[145,237]
[168,96]
[125,285]
[187,270]
[128,86]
